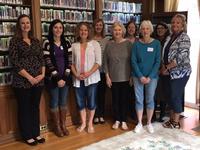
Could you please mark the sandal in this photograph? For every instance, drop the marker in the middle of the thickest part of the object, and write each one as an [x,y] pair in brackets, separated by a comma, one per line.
[168,124]
[80,128]
[176,125]
[90,130]
[172,124]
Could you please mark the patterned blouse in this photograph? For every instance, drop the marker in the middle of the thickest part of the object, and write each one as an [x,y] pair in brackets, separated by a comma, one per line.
[28,57]
[179,51]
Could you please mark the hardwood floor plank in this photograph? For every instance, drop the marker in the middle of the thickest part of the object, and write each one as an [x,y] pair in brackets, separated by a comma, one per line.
[102,131]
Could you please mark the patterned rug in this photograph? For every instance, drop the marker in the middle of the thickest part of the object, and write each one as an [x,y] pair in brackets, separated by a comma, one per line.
[162,139]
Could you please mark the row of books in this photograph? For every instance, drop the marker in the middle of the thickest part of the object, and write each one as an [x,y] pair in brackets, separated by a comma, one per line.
[4,43]
[9,12]
[11,1]
[7,28]
[109,17]
[69,29]
[5,78]
[4,61]
[66,15]
[80,4]
[122,6]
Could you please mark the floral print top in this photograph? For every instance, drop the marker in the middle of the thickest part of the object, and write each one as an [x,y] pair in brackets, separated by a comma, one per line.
[28,57]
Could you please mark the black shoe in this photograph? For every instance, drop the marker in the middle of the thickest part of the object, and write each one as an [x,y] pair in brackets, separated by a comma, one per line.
[34,143]
[41,140]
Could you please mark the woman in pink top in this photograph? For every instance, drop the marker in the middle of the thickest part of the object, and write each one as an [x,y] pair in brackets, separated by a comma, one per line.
[86,60]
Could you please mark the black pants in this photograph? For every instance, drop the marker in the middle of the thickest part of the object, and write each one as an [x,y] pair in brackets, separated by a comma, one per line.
[162,93]
[28,101]
[120,98]
[101,89]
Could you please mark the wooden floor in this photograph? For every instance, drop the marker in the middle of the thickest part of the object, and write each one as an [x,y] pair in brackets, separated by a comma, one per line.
[76,140]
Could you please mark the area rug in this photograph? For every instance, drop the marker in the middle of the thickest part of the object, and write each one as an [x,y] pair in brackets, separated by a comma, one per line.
[161,139]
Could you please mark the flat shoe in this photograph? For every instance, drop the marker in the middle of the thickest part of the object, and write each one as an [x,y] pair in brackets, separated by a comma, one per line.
[80,128]
[40,139]
[101,120]
[34,143]
[96,120]
[91,130]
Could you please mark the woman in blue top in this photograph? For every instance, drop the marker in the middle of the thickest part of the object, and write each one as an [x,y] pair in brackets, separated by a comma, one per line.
[145,61]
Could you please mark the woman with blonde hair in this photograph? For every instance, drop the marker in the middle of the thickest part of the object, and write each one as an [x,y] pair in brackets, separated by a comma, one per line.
[118,71]
[176,64]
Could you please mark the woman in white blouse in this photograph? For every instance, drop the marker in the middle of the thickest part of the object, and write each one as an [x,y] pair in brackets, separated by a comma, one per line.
[86,60]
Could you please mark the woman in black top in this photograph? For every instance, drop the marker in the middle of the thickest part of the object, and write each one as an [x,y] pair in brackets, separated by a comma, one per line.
[57,74]
[161,32]
[26,57]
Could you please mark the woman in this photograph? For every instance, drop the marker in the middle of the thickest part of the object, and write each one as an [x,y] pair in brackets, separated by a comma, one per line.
[86,60]
[28,72]
[161,32]
[131,31]
[99,36]
[176,63]
[57,75]
[117,68]
[145,61]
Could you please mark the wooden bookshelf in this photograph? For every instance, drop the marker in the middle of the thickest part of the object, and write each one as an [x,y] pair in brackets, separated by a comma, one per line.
[8,106]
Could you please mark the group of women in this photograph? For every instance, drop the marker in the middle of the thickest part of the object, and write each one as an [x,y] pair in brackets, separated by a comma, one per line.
[97,61]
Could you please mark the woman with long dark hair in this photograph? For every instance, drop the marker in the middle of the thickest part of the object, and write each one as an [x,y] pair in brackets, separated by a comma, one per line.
[57,74]
[26,57]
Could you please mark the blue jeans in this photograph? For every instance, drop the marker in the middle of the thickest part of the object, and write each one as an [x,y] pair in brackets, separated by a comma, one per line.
[86,92]
[177,87]
[149,93]
[58,96]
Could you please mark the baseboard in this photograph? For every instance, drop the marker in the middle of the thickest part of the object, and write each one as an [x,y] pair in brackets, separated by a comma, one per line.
[191,105]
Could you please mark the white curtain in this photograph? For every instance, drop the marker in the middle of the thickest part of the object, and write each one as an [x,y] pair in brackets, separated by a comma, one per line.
[171,5]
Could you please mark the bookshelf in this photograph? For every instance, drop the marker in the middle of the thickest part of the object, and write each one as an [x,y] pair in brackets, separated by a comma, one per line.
[9,11]
[120,11]
[70,12]
[165,16]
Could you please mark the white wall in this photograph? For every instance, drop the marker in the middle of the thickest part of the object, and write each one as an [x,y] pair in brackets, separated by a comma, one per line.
[193,31]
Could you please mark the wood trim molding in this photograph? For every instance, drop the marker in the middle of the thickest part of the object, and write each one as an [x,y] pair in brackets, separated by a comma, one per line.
[36,19]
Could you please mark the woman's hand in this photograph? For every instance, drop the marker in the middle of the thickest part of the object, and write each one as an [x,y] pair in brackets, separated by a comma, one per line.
[163,70]
[145,80]
[61,83]
[32,80]
[39,78]
[108,81]
[131,81]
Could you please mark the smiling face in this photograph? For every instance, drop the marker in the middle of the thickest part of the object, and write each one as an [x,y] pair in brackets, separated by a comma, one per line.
[177,25]
[161,30]
[99,27]
[25,24]
[83,32]
[117,32]
[145,31]
[131,29]
[57,30]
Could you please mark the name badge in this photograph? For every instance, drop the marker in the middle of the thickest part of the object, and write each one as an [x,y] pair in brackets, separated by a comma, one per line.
[149,49]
